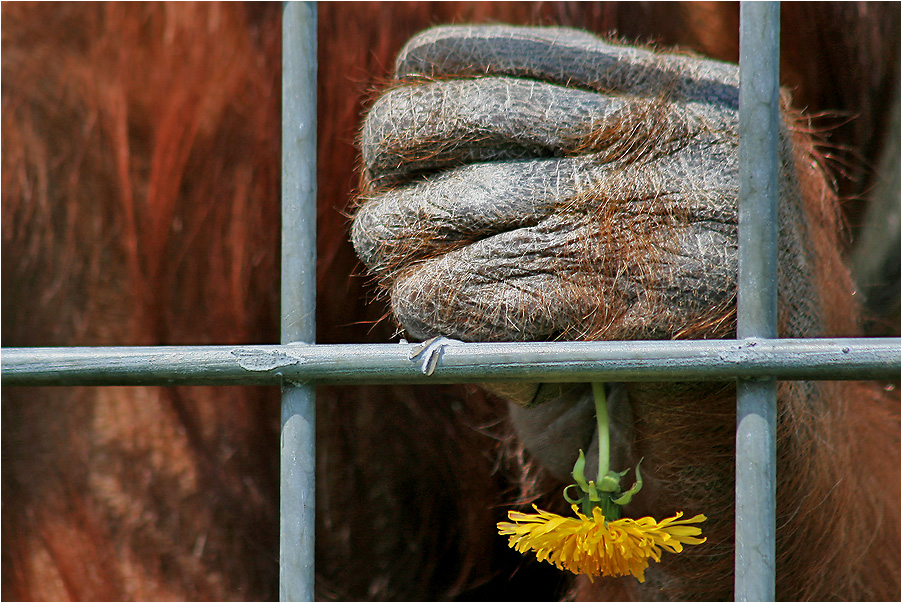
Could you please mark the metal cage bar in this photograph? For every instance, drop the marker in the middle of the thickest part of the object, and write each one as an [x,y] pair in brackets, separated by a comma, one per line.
[756,307]
[297,495]
[456,362]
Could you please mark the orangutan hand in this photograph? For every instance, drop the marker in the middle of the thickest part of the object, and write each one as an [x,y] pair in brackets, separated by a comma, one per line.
[539,184]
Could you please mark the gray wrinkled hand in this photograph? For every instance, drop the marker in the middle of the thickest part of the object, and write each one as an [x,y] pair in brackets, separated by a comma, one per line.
[538,183]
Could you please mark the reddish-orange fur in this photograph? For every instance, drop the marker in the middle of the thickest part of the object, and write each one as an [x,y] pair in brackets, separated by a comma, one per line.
[140,206]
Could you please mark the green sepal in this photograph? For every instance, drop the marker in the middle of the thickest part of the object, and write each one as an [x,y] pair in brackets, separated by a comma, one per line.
[628,495]
[579,472]
[571,500]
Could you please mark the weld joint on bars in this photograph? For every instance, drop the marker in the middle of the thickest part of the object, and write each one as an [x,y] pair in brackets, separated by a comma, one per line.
[458,362]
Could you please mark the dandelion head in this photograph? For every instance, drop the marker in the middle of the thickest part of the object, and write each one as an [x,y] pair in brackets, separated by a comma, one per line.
[595,547]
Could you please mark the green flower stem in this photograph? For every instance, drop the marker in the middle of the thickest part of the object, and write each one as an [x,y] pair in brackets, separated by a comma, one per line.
[604,438]
[609,509]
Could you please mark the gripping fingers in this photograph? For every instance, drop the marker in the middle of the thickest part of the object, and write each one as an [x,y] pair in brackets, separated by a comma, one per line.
[567,57]
[441,124]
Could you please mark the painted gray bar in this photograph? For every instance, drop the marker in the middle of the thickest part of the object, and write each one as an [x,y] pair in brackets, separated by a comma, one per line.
[298,442]
[587,361]
[756,400]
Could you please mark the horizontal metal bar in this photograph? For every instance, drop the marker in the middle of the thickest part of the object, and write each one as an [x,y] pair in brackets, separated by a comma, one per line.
[456,362]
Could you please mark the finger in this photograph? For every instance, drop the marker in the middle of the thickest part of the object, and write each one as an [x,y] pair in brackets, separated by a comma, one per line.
[423,127]
[413,129]
[504,287]
[567,57]
[572,279]
[460,206]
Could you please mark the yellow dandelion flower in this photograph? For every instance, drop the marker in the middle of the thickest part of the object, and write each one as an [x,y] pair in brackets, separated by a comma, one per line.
[594,547]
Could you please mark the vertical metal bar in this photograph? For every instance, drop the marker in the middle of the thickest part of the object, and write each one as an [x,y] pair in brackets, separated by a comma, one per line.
[298,450]
[759,120]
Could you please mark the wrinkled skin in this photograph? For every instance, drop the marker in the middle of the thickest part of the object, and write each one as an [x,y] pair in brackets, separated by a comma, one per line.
[557,212]
[594,188]
[538,184]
